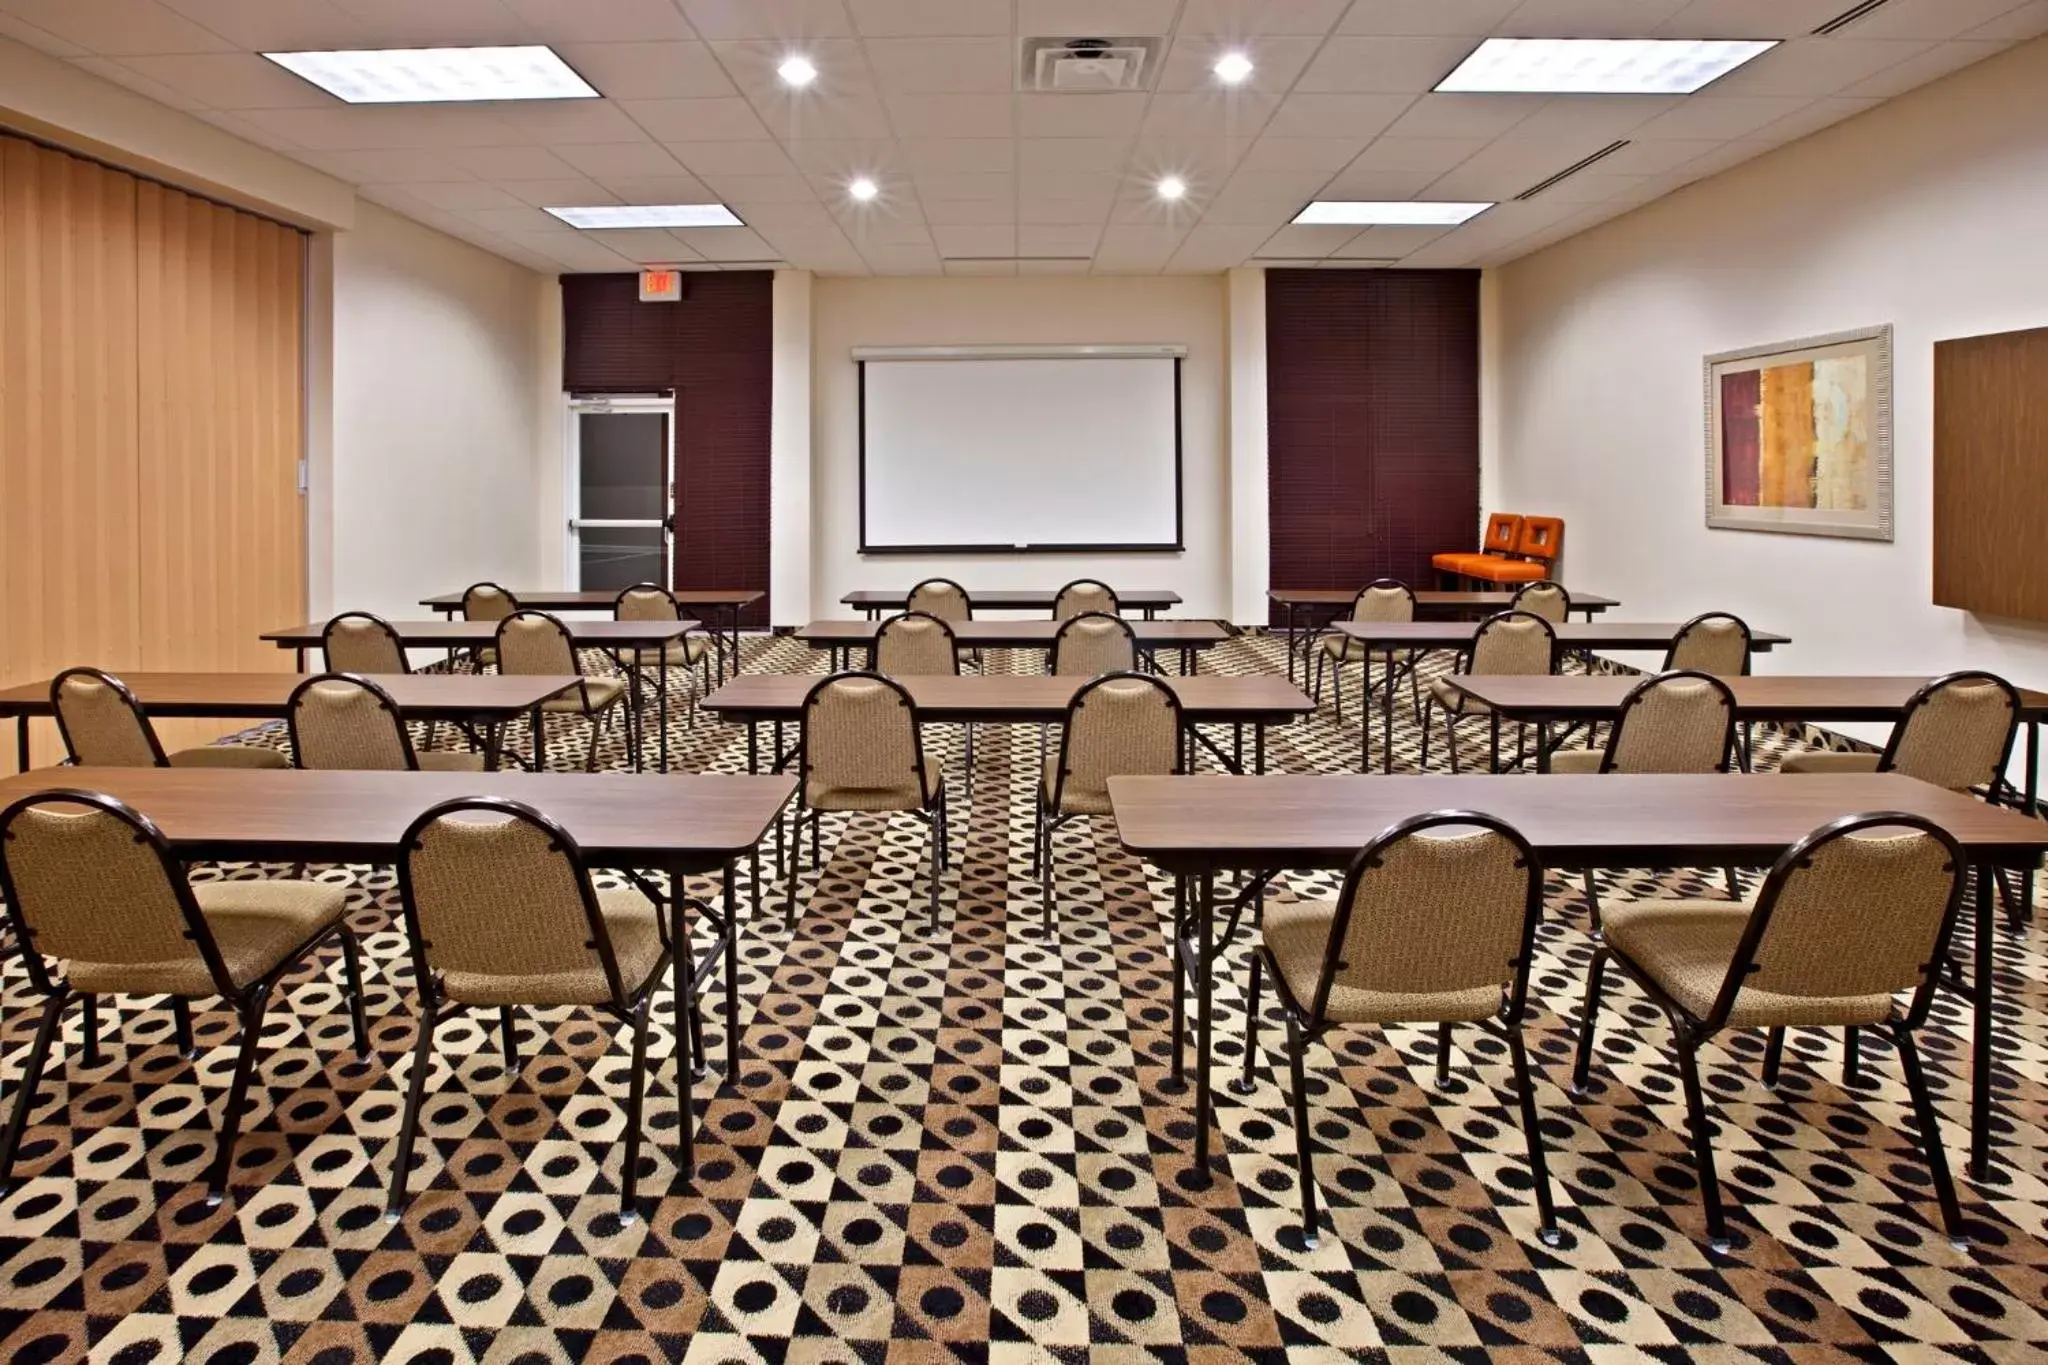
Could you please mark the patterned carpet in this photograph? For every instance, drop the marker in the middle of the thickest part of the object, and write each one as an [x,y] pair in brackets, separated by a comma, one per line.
[959,1148]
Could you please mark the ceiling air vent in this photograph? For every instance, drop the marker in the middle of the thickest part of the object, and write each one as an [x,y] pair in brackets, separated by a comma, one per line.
[1849,16]
[1087,66]
[1568,172]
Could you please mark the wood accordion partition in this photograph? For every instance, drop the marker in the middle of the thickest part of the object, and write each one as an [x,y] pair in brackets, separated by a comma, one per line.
[152,355]
[1991,473]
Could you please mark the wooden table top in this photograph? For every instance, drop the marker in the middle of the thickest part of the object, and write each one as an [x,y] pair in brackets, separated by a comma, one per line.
[1570,634]
[668,820]
[1212,823]
[1775,697]
[1013,599]
[265,694]
[440,633]
[998,698]
[563,599]
[1022,634]
[1430,599]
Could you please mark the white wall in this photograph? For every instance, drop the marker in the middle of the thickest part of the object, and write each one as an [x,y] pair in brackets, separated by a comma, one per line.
[438,436]
[1188,310]
[1930,213]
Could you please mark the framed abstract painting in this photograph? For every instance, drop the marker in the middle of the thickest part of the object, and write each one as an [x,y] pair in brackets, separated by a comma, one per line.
[1799,437]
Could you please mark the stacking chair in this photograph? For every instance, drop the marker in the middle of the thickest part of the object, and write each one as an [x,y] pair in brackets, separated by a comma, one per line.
[1435,924]
[947,600]
[1385,599]
[1545,599]
[500,912]
[1956,732]
[1082,595]
[1503,533]
[342,721]
[860,749]
[358,642]
[1120,725]
[1676,722]
[1092,644]
[1505,644]
[1713,642]
[1856,913]
[692,653]
[104,726]
[485,601]
[93,884]
[533,642]
[913,644]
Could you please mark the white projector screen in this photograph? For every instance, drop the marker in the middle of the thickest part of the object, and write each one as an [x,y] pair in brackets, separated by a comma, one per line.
[1041,452]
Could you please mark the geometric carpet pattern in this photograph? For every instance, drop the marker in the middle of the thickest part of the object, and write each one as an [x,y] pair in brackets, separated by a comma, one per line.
[961,1146]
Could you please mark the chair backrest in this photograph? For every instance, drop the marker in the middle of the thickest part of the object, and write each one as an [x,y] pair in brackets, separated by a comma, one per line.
[646,602]
[1861,907]
[101,721]
[913,644]
[533,642]
[358,642]
[341,721]
[1512,642]
[1384,599]
[494,888]
[487,602]
[1956,731]
[88,879]
[1713,642]
[1503,533]
[1438,903]
[1681,722]
[1119,725]
[1084,594]
[1545,599]
[1093,643]
[940,597]
[860,733]
[1540,538]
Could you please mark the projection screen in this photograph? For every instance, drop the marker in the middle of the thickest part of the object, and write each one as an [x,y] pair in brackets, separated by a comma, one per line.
[1011,449]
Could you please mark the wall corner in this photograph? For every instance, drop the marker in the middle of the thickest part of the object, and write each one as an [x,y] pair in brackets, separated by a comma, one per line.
[789,461]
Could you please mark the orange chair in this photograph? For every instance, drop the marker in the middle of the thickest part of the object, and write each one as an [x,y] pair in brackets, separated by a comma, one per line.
[1537,548]
[1503,533]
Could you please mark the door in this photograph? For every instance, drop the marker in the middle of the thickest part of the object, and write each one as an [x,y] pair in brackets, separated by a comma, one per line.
[621,462]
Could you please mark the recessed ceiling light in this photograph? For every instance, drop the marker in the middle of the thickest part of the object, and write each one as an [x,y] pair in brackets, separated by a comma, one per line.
[1384,213]
[1599,66]
[863,189]
[1172,187]
[424,75]
[797,71]
[649,216]
[1232,68]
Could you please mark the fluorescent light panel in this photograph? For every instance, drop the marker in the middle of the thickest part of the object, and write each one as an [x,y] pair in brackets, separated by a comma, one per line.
[1397,213]
[648,216]
[1598,66]
[429,75]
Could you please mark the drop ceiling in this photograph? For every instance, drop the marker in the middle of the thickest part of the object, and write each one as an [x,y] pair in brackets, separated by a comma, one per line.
[978,178]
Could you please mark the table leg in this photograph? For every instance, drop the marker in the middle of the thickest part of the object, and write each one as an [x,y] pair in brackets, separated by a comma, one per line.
[1387,718]
[661,713]
[2033,807]
[493,734]
[732,983]
[1291,642]
[1237,747]
[1542,746]
[1259,747]
[681,964]
[1981,1113]
[1205,1017]
[299,659]
[753,746]
[537,739]
[1177,1077]
[21,744]
[634,701]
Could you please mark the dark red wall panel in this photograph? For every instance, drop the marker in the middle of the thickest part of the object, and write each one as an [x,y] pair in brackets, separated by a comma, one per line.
[714,350]
[1372,423]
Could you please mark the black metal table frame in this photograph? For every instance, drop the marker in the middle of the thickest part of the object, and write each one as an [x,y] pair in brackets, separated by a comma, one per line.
[841,653]
[1303,628]
[723,641]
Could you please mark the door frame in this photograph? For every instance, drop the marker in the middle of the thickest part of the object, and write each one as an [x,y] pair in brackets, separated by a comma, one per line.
[576,406]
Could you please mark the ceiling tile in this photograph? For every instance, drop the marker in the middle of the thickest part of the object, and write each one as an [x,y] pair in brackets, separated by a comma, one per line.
[940,188]
[1814,117]
[1038,209]
[612,21]
[1326,154]
[978,240]
[793,221]
[1720,116]
[672,70]
[1505,168]
[825,116]
[517,219]
[460,196]
[2030,20]
[1753,18]
[1211,246]
[1930,20]
[1116,116]
[1241,18]
[894,258]
[753,64]
[251,127]
[1592,18]
[563,123]
[1815,67]
[1930,65]
[1355,183]
[119,28]
[380,127]
[958,156]
[970,212]
[406,167]
[1088,154]
[123,74]
[1387,243]
[844,160]
[42,40]
[1204,163]
[1136,249]
[1305,241]
[275,25]
[1276,62]
[950,115]
[785,20]
[942,66]
[1658,157]
[696,120]
[1391,66]
[573,251]
[743,192]
[1057,265]
[572,191]
[1304,114]
[727,244]
[1095,18]
[1426,18]
[621,158]
[989,268]
[1602,116]
[705,159]
[1208,114]
[508,163]
[1433,154]
[1063,239]
[644,246]
[1592,187]
[408,23]
[232,80]
[1465,115]
[931,18]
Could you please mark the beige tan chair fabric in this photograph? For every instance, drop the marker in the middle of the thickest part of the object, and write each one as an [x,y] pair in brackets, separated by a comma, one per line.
[940,597]
[1120,725]
[693,654]
[914,645]
[1853,916]
[487,602]
[1084,595]
[1508,644]
[1092,644]
[1545,599]
[501,912]
[533,643]
[93,885]
[104,726]
[350,723]
[1434,924]
[1385,599]
[1955,732]
[1714,642]
[357,642]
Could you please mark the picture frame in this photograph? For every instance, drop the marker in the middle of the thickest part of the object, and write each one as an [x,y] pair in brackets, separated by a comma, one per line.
[1799,436]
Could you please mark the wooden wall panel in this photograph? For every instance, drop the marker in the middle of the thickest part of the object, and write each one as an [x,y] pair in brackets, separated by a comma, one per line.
[68,450]
[1991,473]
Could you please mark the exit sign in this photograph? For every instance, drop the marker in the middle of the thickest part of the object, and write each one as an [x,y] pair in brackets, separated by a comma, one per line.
[661,286]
